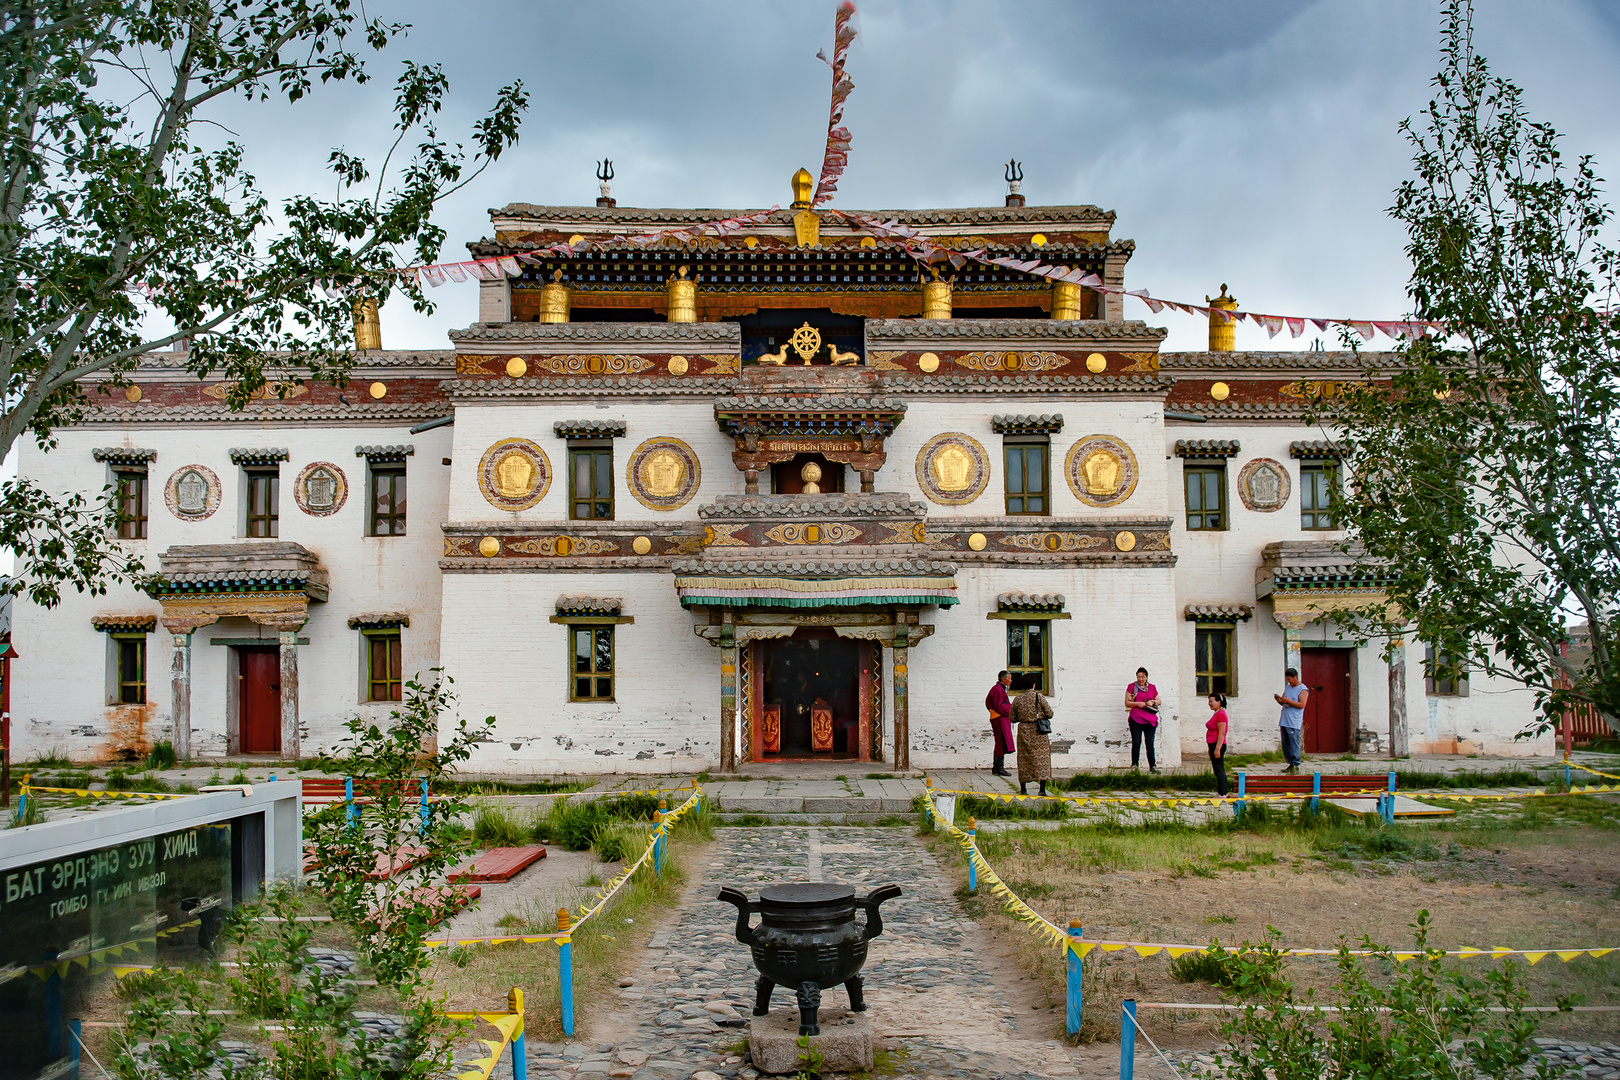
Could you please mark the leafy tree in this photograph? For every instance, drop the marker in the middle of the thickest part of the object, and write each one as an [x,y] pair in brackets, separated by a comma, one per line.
[1484,466]
[122,208]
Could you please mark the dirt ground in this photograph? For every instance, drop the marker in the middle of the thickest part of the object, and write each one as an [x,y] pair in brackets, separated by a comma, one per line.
[1483,881]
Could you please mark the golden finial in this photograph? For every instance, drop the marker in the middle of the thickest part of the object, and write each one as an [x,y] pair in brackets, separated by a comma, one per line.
[1222,330]
[803,188]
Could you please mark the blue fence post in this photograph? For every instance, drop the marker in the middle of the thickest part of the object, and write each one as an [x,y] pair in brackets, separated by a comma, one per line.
[1389,800]
[1566,774]
[75,1029]
[353,812]
[658,841]
[427,815]
[1127,1041]
[1237,807]
[520,1054]
[973,871]
[22,796]
[565,971]
[1316,792]
[1071,957]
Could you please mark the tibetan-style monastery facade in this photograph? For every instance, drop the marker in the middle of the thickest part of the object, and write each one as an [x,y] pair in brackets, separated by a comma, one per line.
[765,496]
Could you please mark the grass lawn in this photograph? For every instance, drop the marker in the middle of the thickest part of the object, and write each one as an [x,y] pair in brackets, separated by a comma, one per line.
[1543,873]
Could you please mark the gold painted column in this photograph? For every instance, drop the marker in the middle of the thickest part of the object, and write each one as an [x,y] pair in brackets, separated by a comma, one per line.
[728,696]
[367,325]
[936,299]
[902,701]
[1222,331]
[1399,739]
[1065,300]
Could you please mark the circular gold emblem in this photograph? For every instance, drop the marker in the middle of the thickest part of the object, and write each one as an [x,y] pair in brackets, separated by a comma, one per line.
[1039,239]
[952,469]
[641,545]
[663,473]
[489,547]
[1096,363]
[514,474]
[678,365]
[132,393]
[977,541]
[575,239]
[320,489]
[928,363]
[1101,470]
[517,367]
[751,242]
[1220,391]
[1125,541]
[378,390]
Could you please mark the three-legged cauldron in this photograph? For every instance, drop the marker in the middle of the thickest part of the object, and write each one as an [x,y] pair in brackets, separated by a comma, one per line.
[807,938]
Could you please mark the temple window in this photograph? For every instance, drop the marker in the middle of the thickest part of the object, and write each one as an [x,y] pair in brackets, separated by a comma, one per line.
[1027,488]
[384,664]
[1027,655]
[1317,481]
[1213,663]
[387,501]
[263,517]
[1443,676]
[128,654]
[590,482]
[591,656]
[1206,495]
[130,499]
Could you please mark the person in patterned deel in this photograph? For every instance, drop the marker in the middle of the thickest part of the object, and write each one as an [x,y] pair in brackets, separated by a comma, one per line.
[1000,706]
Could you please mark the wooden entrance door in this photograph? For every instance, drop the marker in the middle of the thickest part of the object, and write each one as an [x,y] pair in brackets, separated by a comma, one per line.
[1327,712]
[258,701]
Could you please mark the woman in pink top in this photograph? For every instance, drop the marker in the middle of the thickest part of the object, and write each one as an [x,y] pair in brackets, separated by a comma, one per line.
[1215,735]
[1142,698]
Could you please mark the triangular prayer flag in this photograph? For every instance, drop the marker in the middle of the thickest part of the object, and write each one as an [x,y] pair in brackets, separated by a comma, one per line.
[1571,954]
[1296,327]
[1147,950]
[1534,957]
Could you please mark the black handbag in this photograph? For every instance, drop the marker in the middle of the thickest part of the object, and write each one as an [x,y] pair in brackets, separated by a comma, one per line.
[1043,725]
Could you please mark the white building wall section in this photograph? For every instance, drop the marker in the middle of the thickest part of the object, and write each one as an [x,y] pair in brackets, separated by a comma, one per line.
[60,695]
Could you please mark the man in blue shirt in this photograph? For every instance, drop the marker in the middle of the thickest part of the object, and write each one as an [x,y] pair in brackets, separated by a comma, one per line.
[1292,723]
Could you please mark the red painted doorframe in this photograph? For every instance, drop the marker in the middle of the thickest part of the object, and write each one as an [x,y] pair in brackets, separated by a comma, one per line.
[1327,712]
[258,700]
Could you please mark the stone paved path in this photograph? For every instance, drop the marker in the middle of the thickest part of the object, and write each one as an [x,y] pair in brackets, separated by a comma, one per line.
[932,996]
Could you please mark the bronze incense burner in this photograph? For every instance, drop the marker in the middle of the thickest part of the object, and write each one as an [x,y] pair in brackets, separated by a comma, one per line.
[807,938]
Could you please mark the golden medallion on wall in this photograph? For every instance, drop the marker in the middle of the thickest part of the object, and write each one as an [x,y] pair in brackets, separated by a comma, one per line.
[663,473]
[514,474]
[952,469]
[1101,470]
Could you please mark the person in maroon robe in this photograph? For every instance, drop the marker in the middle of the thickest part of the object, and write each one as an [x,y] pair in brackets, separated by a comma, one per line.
[1000,706]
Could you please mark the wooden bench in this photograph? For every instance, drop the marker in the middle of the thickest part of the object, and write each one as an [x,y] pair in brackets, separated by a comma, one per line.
[1378,786]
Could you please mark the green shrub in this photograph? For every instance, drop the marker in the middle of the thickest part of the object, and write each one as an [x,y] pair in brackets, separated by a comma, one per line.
[162,756]
[574,825]
[1204,967]
[984,809]
[497,826]
[620,842]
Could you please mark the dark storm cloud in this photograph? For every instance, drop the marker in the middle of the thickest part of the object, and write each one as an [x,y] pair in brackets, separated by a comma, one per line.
[1250,142]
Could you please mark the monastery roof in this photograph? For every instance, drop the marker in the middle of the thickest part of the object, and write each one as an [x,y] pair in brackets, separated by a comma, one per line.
[644,333]
[886,330]
[677,216]
[1309,360]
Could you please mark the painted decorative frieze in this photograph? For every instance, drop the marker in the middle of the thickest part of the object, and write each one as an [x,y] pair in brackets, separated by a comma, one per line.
[663,473]
[834,532]
[952,469]
[1263,485]
[192,493]
[514,474]
[1039,360]
[1101,470]
[321,489]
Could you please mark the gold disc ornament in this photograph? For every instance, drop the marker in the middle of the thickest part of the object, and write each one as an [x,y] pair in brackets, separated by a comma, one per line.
[1101,470]
[952,469]
[663,473]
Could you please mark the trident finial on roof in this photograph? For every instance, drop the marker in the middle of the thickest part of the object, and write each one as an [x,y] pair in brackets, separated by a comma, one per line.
[604,173]
[1015,182]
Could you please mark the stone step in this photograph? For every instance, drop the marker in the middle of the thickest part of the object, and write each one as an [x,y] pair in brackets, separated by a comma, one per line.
[784,803]
[803,820]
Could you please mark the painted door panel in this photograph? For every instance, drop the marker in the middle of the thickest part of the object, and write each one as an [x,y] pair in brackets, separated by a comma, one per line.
[1327,712]
[259,700]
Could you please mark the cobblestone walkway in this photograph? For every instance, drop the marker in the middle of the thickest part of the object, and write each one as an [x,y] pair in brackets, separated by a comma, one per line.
[931,997]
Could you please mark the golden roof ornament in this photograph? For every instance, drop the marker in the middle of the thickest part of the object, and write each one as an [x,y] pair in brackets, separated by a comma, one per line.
[1222,331]
[806,223]
[806,341]
[682,295]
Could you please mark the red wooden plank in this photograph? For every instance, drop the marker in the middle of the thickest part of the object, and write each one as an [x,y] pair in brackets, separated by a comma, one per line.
[499,864]
[397,862]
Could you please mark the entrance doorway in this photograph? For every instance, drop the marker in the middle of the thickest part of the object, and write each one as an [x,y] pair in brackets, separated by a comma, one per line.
[258,699]
[787,477]
[810,697]
[1327,710]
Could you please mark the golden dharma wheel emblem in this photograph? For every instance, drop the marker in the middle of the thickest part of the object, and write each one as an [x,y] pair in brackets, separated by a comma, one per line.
[132,393]
[928,362]
[378,390]
[1220,391]
[977,541]
[517,367]
[678,365]
[1125,541]
[1096,363]
[641,545]
[806,341]
[489,547]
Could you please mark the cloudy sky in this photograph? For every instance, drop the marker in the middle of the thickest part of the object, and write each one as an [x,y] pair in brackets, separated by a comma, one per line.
[1251,141]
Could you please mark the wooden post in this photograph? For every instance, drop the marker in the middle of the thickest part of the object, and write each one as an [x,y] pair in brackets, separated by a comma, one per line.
[902,703]
[180,693]
[1072,963]
[1399,742]
[565,971]
[289,693]
[728,696]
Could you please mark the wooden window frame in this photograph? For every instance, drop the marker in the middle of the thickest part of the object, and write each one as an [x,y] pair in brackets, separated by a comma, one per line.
[594,677]
[1205,674]
[1222,511]
[1315,514]
[1045,667]
[594,448]
[128,691]
[1021,444]
[394,518]
[1435,686]
[130,497]
[270,520]
[392,683]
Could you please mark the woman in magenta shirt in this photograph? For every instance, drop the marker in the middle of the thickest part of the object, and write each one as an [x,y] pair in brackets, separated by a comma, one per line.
[1142,698]
[1215,735]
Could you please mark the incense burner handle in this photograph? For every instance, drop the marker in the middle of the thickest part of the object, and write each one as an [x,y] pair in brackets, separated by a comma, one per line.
[874,918]
[744,909]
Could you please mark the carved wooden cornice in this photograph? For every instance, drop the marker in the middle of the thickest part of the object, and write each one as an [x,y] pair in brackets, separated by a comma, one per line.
[123,455]
[1026,423]
[590,429]
[1207,448]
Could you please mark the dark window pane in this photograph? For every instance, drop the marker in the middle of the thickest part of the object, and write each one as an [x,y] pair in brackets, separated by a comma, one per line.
[1035,468]
[582,650]
[1195,493]
[1034,653]
[604,649]
[582,689]
[604,688]
[1015,645]
[1015,468]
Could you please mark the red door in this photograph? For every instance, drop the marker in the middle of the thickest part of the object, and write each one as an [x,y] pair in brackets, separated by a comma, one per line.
[259,700]
[1327,711]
